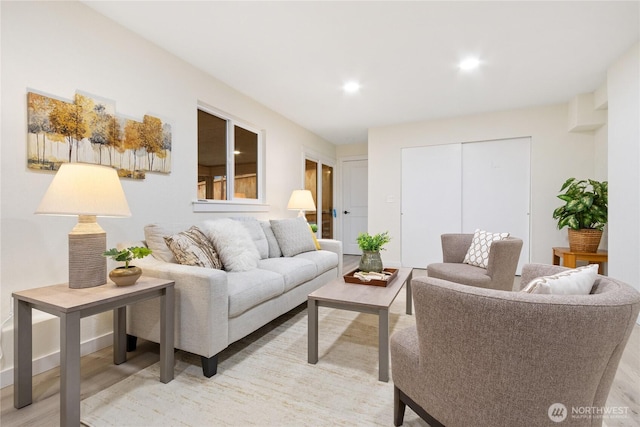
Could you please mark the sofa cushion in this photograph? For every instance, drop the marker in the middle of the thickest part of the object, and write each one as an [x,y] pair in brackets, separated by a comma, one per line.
[257,234]
[294,271]
[578,281]
[324,260]
[478,253]
[274,248]
[293,236]
[192,247]
[247,289]
[233,243]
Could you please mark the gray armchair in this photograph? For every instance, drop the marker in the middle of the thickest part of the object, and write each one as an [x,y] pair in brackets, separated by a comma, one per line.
[500,271]
[482,357]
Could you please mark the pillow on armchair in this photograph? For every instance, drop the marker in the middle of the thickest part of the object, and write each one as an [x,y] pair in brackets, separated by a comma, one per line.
[578,281]
[478,253]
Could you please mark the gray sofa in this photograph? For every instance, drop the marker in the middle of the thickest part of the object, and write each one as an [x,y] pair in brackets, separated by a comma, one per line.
[214,307]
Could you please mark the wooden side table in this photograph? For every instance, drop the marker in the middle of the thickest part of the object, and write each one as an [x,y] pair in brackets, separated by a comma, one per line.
[70,305]
[570,258]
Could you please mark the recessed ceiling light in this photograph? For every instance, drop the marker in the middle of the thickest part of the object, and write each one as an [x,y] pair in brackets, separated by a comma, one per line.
[351,87]
[469,64]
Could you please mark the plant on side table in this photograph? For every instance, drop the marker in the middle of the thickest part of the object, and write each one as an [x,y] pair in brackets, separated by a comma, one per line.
[584,213]
[371,247]
[127,275]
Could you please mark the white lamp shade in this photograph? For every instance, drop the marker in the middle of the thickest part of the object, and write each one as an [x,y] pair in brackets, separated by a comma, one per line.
[84,189]
[301,200]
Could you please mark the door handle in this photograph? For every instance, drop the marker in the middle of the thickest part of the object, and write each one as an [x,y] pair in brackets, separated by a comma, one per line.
[346,212]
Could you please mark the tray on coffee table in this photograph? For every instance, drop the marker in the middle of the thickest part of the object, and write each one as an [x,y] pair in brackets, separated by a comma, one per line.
[351,278]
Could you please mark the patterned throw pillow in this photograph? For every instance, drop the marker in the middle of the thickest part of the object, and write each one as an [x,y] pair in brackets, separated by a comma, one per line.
[192,247]
[578,281]
[478,253]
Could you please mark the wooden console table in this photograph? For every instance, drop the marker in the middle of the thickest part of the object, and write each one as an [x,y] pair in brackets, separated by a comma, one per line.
[570,258]
[70,305]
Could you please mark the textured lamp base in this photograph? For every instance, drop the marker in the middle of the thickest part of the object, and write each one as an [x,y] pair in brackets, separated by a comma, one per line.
[87,266]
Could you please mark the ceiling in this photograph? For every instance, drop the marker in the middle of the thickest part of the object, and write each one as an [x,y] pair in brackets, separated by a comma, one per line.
[294,57]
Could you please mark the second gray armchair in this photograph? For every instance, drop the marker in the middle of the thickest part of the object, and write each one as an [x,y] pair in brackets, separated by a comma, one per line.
[501,268]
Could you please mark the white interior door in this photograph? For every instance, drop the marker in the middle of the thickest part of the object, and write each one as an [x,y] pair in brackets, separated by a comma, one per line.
[431,201]
[495,189]
[355,201]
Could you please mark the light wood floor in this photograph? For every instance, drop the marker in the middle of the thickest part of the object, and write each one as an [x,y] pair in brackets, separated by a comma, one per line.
[99,372]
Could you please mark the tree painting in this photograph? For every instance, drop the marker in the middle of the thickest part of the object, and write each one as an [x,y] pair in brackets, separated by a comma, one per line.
[87,130]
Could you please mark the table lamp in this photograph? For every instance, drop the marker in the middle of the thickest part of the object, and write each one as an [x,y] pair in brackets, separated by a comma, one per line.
[301,200]
[87,191]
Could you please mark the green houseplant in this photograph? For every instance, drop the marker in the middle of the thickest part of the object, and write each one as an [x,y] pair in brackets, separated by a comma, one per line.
[371,247]
[128,274]
[584,212]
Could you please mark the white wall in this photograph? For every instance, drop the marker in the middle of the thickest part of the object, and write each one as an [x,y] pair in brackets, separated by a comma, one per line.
[556,155]
[623,85]
[62,47]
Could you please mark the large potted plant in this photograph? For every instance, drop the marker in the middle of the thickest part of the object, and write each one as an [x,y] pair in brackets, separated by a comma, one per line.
[128,274]
[371,247]
[584,213]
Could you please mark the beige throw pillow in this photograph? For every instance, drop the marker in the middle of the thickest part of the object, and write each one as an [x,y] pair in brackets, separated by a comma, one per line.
[192,247]
[578,281]
[478,253]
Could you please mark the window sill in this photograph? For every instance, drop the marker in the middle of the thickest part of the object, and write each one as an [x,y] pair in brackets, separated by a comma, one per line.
[226,206]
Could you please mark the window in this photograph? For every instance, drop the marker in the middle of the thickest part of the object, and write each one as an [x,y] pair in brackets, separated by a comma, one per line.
[229,159]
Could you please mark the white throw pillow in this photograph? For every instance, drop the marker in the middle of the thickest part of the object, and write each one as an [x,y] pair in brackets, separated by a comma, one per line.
[233,243]
[293,236]
[257,234]
[578,281]
[478,253]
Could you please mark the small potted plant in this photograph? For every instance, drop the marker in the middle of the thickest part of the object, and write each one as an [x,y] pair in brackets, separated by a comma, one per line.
[371,247]
[127,275]
[584,212]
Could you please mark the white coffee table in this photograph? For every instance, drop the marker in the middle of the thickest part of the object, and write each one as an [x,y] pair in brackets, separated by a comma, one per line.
[363,299]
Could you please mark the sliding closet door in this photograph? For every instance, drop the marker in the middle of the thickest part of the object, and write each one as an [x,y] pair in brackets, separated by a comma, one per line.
[496,187]
[431,201]
[460,187]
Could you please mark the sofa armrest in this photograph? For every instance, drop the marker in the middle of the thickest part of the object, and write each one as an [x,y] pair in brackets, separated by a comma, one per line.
[333,246]
[201,307]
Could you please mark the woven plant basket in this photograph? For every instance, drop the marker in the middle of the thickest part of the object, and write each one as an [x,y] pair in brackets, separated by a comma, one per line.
[584,240]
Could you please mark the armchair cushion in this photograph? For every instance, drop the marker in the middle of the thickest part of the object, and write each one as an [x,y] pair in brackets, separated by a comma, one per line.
[578,281]
[478,253]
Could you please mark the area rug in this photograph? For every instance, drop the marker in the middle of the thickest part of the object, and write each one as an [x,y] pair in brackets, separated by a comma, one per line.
[264,379]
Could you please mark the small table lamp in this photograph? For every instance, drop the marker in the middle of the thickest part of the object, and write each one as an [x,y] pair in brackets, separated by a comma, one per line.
[301,200]
[87,191]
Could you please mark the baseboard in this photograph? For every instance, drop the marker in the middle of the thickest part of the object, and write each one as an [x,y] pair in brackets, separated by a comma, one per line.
[52,360]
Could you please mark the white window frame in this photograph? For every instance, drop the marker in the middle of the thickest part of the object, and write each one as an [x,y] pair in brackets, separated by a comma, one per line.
[239,204]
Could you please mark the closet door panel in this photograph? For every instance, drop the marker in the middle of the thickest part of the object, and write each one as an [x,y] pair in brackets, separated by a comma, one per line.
[431,201]
[496,188]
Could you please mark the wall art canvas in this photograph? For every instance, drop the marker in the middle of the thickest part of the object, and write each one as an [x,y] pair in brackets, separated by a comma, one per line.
[87,130]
